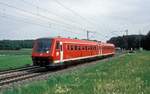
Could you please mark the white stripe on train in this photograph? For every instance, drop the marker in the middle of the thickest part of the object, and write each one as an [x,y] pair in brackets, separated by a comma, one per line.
[64,60]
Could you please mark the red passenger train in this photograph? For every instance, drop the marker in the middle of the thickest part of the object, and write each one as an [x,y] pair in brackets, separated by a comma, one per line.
[59,51]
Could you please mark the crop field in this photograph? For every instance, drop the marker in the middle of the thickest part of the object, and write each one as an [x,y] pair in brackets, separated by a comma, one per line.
[14,59]
[129,74]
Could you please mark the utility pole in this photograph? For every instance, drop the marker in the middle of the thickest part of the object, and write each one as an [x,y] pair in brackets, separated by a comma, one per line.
[37,8]
[126,32]
[139,40]
[126,39]
[88,34]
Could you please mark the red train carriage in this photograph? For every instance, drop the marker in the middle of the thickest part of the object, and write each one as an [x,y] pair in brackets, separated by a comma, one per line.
[56,51]
[107,49]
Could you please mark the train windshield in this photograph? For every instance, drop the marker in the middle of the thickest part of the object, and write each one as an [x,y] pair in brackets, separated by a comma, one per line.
[42,45]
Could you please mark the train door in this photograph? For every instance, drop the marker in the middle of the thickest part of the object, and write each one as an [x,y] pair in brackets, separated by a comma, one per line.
[99,50]
[61,52]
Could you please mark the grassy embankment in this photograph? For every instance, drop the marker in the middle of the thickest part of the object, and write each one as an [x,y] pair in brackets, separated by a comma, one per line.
[13,59]
[129,74]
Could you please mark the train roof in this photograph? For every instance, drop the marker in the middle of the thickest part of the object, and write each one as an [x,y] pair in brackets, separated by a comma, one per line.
[107,44]
[69,40]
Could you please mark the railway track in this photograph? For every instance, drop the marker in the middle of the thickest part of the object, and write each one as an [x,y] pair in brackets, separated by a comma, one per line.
[19,69]
[18,73]
[13,76]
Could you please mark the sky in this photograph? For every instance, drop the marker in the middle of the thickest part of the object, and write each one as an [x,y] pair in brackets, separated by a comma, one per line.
[31,19]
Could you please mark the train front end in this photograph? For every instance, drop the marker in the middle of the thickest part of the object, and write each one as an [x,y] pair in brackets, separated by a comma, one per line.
[41,52]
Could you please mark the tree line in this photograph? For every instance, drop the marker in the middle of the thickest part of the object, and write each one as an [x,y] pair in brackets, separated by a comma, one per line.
[15,44]
[123,42]
[131,41]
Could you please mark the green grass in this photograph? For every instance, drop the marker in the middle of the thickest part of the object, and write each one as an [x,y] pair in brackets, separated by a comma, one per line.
[15,52]
[14,59]
[11,62]
[129,74]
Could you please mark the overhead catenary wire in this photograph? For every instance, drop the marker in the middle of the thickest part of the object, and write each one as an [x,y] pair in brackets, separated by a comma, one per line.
[48,11]
[45,17]
[42,16]
[9,17]
[75,13]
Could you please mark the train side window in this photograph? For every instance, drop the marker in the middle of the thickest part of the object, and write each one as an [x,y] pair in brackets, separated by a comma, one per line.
[68,47]
[78,47]
[82,47]
[57,45]
[75,47]
[71,47]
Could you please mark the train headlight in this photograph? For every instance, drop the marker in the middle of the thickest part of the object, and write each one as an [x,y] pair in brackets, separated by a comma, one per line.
[47,51]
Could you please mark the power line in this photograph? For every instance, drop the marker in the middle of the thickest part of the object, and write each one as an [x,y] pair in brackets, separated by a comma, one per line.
[50,12]
[74,12]
[28,12]
[113,32]
[41,16]
[102,35]
[8,17]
